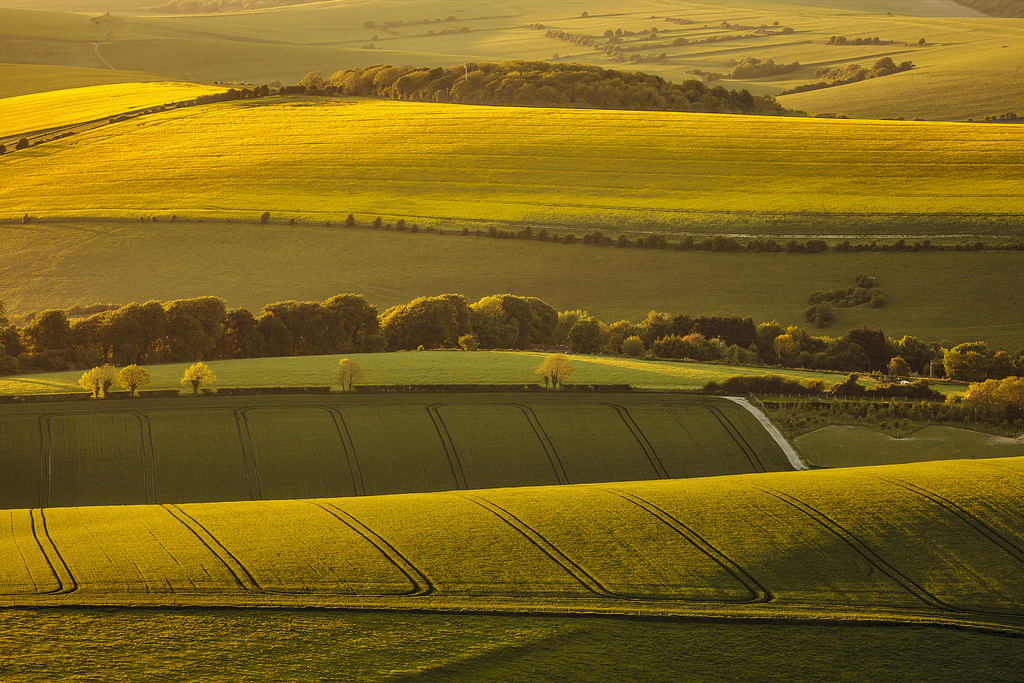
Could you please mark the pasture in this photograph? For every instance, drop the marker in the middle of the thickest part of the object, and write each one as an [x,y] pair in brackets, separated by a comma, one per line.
[779,545]
[313,159]
[949,297]
[285,447]
[286,43]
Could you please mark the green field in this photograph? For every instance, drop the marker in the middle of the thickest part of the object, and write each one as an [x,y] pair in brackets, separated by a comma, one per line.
[351,646]
[284,447]
[27,79]
[284,44]
[952,297]
[852,446]
[773,545]
[313,159]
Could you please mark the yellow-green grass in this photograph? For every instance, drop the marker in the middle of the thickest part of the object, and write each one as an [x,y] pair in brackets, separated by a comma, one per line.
[283,44]
[853,446]
[957,297]
[268,644]
[56,108]
[925,543]
[438,367]
[27,79]
[313,158]
[285,447]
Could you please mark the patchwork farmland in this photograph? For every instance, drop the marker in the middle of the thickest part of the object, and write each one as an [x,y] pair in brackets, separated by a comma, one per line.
[284,447]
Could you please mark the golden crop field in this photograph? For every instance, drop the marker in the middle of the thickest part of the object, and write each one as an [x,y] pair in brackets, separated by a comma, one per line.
[316,159]
[783,545]
[285,447]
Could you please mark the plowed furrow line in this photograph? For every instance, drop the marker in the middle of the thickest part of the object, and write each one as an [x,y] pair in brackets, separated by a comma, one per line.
[758,592]
[66,582]
[545,442]
[448,445]
[978,525]
[545,546]
[421,584]
[239,573]
[863,550]
[641,439]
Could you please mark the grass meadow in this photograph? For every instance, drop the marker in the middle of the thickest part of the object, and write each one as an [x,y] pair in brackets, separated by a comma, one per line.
[350,645]
[938,296]
[313,159]
[28,79]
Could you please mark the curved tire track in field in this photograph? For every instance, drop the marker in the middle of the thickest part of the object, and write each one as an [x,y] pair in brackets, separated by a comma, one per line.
[252,476]
[641,439]
[243,579]
[449,446]
[758,592]
[358,485]
[751,455]
[421,584]
[66,582]
[545,442]
[1011,548]
[862,549]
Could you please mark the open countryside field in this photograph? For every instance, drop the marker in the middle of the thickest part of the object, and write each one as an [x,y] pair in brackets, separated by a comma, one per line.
[27,79]
[349,645]
[937,296]
[284,447]
[314,159]
[285,43]
[781,545]
[441,367]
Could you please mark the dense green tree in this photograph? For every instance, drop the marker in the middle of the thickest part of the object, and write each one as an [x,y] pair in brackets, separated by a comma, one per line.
[588,335]
[875,344]
[241,337]
[430,322]
[194,327]
[967,362]
[50,331]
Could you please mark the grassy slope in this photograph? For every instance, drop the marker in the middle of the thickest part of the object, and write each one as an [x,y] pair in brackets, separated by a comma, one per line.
[764,545]
[285,447]
[48,265]
[851,446]
[284,44]
[316,158]
[177,645]
[27,79]
[51,109]
[434,367]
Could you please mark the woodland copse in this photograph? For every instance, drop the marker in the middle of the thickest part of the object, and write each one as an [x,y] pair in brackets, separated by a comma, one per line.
[204,328]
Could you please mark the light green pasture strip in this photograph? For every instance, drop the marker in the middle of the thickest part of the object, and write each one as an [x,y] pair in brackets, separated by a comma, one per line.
[311,158]
[55,108]
[851,446]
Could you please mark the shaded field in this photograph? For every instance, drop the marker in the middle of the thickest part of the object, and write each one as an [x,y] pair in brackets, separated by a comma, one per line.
[438,367]
[228,645]
[954,296]
[846,446]
[27,79]
[288,447]
[948,549]
[313,159]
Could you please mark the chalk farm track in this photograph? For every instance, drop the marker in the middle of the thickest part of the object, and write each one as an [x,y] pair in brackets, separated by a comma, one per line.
[212,448]
[929,543]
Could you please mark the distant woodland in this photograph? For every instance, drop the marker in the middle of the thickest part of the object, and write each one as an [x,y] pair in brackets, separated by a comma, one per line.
[996,8]
[543,84]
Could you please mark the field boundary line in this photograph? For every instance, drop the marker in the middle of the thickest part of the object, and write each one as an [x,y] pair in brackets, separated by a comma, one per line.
[968,518]
[358,485]
[864,551]
[545,442]
[252,474]
[545,546]
[759,593]
[641,439]
[449,446]
[243,578]
[422,585]
[794,458]
[749,453]
[66,582]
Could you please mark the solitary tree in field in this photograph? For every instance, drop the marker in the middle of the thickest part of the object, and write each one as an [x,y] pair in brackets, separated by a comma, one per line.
[107,376]
[347,372]
[555,369]
[265,217]
[90,381]
[133,377]
[197,375]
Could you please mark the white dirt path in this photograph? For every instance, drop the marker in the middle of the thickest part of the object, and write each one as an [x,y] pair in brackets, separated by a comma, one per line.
[794,458]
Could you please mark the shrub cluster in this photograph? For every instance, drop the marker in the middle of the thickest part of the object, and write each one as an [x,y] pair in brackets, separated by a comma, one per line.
[851,73]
